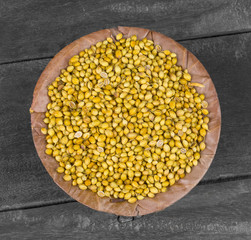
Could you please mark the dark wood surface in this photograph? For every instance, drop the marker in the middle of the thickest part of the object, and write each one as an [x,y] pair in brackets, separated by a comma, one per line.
[214,211]
[19,156]
[39,29]
[217,32]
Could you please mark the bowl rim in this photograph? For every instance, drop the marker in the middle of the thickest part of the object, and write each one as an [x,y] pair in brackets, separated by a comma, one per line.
[179,189]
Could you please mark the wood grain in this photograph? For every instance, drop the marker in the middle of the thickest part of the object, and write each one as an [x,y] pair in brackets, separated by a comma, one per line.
[218,211]
[34,29]
[227,60]
[24,181]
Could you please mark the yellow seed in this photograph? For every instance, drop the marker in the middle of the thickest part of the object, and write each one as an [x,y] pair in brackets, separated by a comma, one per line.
[101,193]
[48,151]
[148,97]
[44,130]
[140,197]
[58,114]
[203,132]
[133,111]
[150,195]
[188,169]
[172,104]
[119,36]
[195,162]
[202,146]
[104,63]
[118,54]
[132,200]
[170,176]
[60,169]
[134,184]
[67,178]
[158,185]
[166,148]
[153,190]
[143,143]
[96,100]
[127,195]
[171,181]
[75,81]
[160,165]
[123,177]
[117,69]
[82,187]
[54,139]
[197,85]
[70,68]
[205,111]
[108,133]
[132,135]
[187,76]
[205,126]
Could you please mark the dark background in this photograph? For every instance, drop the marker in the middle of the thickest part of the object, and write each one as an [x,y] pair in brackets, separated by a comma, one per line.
[218,32]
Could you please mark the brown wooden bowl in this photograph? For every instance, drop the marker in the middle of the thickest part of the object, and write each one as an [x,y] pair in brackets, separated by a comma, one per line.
[162,200]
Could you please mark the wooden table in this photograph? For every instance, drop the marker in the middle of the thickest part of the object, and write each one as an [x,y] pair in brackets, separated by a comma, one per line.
[218,32]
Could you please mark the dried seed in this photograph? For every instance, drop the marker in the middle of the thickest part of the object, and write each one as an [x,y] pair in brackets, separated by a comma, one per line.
[158,48]
[116,94]
[72,105]
[106,82]
[60,87]
[101,193]
[152,117]
[204,104]
[100,149]
[180,133]
[78,134]
[119,36]
[86,135]
[196,85]
[183,150]
[159,143]
[103,75]
[101,84]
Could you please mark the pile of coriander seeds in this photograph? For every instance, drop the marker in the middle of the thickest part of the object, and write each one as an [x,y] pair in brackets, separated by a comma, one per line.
[124,119]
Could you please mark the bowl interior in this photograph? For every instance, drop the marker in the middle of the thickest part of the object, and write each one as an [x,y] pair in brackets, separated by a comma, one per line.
[162,200]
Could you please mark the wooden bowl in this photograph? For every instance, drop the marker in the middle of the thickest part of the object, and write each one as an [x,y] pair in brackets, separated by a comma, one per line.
[162,200]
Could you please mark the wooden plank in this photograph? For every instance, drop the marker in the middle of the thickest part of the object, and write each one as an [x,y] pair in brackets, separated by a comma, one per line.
[24,179]
[32,29]
[24,182]
[217,211]
[227,61]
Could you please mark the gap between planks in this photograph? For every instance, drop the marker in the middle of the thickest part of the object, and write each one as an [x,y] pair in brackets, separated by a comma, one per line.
[120,218]
[205,182]
[178,40]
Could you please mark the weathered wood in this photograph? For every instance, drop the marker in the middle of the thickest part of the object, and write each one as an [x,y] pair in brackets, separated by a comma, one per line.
[227,60]
[31,29]
[24,181]
[217,211]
